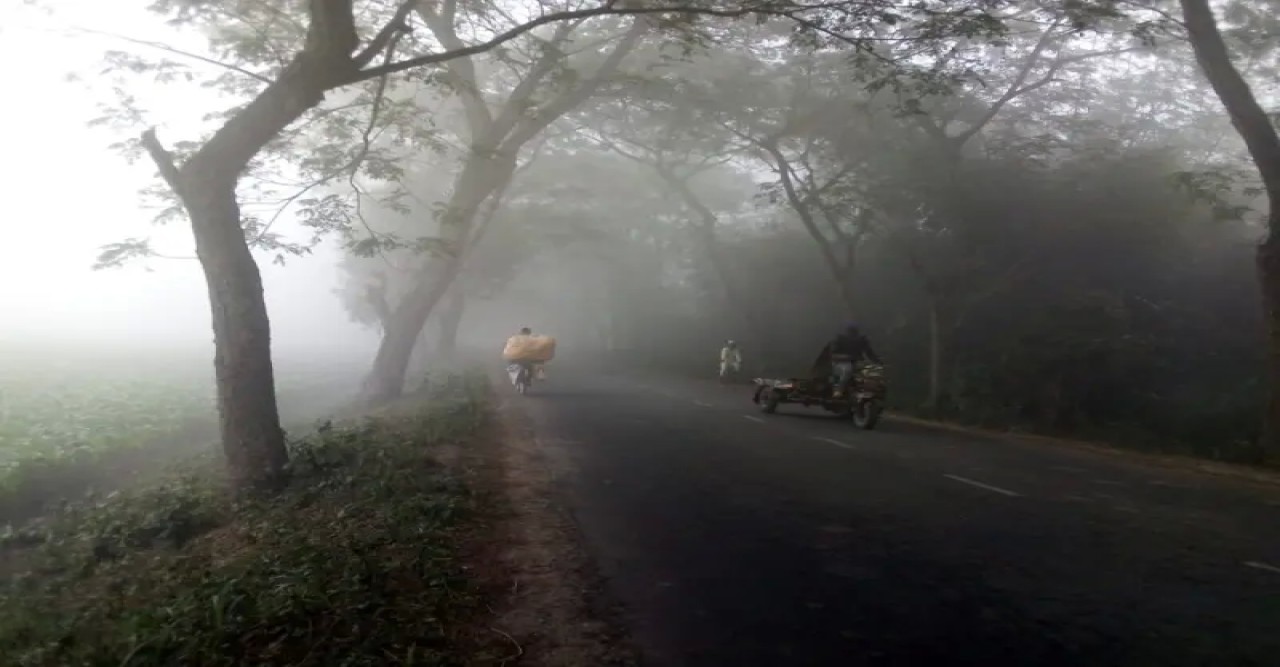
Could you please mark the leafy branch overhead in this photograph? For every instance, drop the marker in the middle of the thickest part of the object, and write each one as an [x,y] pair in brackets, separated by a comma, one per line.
[255,46]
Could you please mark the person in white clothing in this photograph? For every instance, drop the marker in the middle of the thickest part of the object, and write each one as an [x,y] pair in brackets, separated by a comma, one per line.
[730,359]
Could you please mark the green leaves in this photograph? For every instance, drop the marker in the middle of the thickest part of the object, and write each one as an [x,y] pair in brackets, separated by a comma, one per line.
[1229,193]
[117,254]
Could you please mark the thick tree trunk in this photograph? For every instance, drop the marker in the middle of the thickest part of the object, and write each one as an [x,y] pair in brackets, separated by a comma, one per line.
[450,321]
[1268,259]
[247,414]
[1259,134]
[206,183]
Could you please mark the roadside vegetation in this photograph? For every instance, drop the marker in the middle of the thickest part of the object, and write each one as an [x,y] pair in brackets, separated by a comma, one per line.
[76,419]
[1035,236]
[354,562]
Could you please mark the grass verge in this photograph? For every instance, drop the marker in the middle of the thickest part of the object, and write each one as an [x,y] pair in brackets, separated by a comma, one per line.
[355,563]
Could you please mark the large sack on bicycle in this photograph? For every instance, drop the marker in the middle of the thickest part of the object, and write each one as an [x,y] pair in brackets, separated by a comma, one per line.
[529,348]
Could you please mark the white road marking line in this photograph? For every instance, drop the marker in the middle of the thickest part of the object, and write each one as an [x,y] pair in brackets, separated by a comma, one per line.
[754,419]
[980,485]
[1262,566]
[837,443]
[701,404]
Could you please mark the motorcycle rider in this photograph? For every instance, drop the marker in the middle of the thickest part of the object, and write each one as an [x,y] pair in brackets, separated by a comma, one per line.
[841,354]
[535,368]
[730,358]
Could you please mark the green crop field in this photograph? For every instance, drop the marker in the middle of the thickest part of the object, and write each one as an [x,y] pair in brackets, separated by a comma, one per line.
[57,403]
[67,405]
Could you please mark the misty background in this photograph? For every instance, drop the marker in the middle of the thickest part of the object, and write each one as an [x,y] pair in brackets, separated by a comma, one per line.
[1061,247]
[69,195]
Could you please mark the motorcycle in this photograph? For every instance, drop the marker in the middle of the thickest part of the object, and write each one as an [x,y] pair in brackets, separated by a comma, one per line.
[863,405]
[868,394]
[521,377]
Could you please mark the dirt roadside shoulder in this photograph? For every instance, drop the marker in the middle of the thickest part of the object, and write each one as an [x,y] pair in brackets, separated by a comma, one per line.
[549,608]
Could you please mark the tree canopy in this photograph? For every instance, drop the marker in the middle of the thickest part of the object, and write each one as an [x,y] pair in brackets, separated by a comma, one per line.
[1041,210]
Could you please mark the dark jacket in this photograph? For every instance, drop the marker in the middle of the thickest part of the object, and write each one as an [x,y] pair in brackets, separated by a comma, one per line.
[845,346]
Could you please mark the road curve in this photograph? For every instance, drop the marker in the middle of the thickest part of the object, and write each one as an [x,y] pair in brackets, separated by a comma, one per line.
[731,537]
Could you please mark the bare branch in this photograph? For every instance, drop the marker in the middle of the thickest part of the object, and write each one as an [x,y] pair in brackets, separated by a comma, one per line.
[1020,87]
[379,95]
[462,70]
[164,160]
[398,25]
[177,52]
[501,38]
[514,108]
[1017,87]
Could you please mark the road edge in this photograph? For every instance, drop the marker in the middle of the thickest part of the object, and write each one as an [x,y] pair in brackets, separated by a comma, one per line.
[550,608]
[1184,463]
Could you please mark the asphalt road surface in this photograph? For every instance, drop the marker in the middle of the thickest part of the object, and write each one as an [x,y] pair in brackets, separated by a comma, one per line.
[731,537]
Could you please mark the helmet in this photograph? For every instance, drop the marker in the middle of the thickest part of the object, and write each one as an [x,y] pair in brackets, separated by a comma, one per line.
[730,342]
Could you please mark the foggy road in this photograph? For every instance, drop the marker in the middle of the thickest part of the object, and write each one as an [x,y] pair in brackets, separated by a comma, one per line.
[731,537]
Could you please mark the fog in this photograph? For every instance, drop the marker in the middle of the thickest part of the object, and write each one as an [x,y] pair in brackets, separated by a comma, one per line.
[260,259]
[69,195]
[995,222]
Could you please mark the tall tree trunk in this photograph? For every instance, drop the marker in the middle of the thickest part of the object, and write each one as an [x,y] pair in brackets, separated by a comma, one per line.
[450,321]
[248,418]
[479,179]
[936,345]
[391,364]
[1259,134]
[1268,262]
[496,142]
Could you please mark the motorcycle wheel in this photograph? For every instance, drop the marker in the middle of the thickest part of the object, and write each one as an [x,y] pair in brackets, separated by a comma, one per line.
[769,401]
[866,414]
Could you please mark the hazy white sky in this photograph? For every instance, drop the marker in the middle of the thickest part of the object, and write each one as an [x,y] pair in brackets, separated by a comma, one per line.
[67,194]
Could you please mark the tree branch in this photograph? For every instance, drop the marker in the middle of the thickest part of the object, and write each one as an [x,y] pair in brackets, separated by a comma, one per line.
[575,96]
[1019,87]
[331,32]
[164,160]
[514,107]
[398,25]
[177,52]
[1249,118]
[378,96]
[461,69]
[1016,88]
[501,38]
